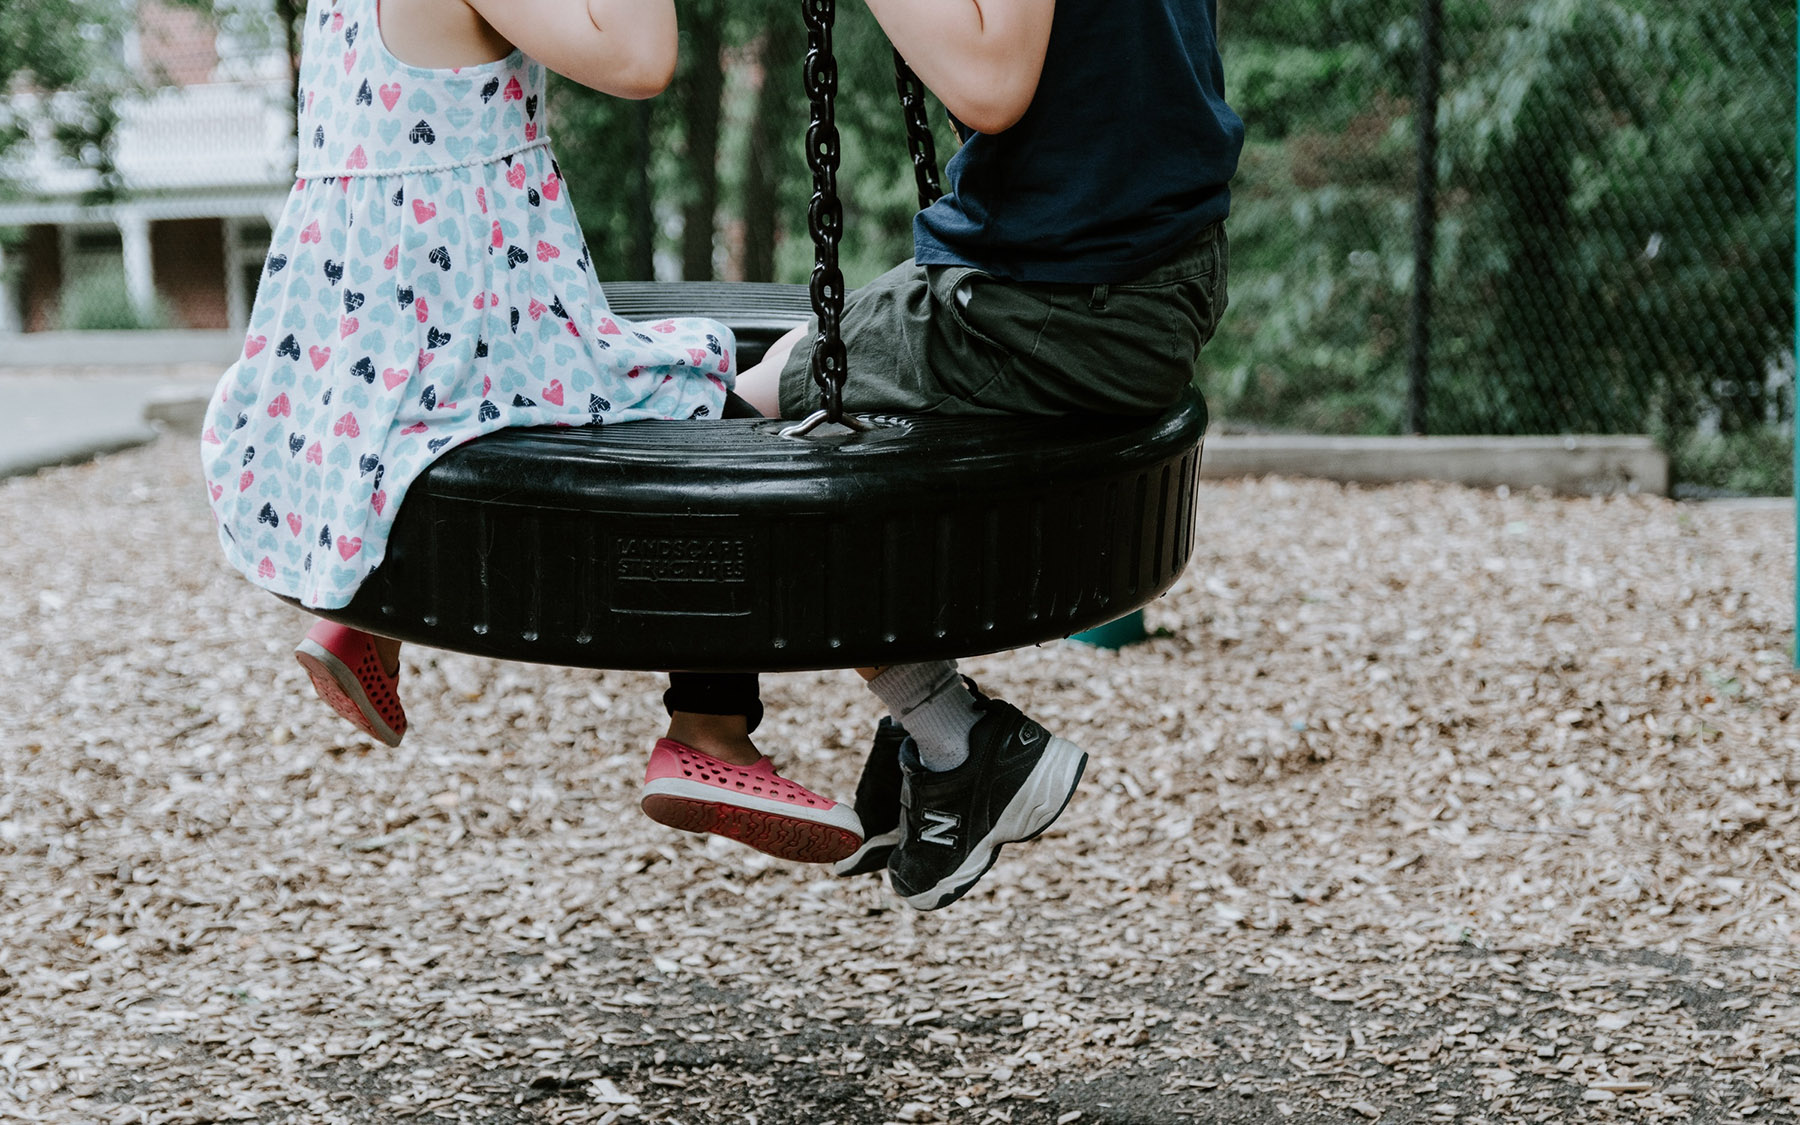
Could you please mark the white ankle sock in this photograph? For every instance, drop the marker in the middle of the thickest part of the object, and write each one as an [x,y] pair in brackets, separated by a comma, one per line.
[934,706]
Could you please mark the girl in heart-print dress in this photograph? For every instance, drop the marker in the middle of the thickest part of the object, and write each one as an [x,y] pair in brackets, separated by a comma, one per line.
[427,284]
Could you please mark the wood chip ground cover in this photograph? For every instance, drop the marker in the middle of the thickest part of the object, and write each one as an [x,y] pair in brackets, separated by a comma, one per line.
[1426,805]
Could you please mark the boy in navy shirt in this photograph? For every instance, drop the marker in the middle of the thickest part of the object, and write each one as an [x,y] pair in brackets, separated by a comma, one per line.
[1076,264]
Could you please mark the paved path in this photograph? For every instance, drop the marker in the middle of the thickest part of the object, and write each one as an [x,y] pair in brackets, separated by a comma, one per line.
[60,417]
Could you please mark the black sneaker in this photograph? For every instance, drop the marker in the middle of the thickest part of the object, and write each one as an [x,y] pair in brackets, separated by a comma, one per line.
[878,797]
[1016,782]
[878,802]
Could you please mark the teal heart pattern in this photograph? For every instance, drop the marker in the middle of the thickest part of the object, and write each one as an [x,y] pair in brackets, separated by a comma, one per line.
[427,283]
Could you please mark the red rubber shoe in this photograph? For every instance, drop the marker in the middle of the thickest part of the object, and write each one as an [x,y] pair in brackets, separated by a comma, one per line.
[346,671]
[687,789]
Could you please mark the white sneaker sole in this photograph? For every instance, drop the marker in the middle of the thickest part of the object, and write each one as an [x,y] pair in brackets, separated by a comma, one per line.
[1034,808]
[886,841]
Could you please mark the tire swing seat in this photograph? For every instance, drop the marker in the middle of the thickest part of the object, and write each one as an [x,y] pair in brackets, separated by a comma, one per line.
[733,545]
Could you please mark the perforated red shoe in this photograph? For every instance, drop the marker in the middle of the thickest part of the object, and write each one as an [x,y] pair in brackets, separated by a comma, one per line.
[346,671]
[687,789]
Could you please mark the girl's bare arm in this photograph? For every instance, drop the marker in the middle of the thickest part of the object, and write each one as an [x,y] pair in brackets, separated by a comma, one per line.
[982,58]
[621,47]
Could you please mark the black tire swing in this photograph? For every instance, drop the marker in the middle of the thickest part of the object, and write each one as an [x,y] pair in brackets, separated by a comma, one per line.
[751,545]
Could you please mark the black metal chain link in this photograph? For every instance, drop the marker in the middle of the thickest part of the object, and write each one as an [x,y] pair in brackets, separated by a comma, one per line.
[918,132]
[825,216]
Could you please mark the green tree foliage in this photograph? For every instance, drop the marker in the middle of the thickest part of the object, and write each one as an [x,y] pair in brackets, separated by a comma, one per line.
[1616,245]
[70,46]
[727,150]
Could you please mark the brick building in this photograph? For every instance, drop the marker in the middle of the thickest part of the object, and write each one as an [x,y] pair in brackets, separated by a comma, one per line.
[204,164]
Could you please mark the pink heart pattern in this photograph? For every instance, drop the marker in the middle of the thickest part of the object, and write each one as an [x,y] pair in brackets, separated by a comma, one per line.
[340,399]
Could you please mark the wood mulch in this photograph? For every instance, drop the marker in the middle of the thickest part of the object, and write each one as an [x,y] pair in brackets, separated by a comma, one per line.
[1425,805]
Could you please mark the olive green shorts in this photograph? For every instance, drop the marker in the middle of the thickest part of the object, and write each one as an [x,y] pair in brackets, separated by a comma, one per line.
[955,340]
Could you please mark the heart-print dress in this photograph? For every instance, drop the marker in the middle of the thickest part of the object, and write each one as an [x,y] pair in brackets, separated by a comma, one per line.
[427,283]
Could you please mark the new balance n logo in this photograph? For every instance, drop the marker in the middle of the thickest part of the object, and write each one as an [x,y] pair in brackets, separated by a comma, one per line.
[939,828]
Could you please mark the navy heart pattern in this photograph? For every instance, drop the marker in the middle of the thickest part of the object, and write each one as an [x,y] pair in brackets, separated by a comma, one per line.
[408,182]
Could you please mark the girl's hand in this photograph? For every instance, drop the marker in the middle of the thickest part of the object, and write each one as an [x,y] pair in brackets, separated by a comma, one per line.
[982,58]
[621,47]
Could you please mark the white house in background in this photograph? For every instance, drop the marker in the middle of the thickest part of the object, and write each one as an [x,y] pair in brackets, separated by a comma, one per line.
[205,163]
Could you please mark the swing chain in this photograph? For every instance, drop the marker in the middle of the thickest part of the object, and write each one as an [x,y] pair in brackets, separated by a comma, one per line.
[825,215]
[918,132]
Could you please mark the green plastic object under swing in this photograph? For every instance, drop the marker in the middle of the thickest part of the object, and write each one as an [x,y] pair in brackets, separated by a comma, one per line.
[1127,630]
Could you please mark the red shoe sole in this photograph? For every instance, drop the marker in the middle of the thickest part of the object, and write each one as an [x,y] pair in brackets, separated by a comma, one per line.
[338,697]
[800,841]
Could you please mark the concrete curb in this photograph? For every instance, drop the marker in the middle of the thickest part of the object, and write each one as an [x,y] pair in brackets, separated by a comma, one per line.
[31,461]
[119,350]
[1581,466]
[177,408]
[44,423]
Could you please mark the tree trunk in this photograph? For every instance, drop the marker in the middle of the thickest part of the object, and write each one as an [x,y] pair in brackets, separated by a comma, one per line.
[640,262]
[778,57]
[289,12]
[702,87]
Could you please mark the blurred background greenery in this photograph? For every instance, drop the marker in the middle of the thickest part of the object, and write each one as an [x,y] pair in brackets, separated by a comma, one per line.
[1615,234]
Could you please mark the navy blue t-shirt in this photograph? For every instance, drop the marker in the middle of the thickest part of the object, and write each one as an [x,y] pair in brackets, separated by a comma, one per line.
[1126,153]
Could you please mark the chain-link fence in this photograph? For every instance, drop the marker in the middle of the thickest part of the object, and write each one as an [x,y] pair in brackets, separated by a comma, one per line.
[1602,241]
[1597,236]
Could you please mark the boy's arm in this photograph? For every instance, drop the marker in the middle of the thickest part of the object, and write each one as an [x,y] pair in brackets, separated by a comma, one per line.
[982,58]
[621,47]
